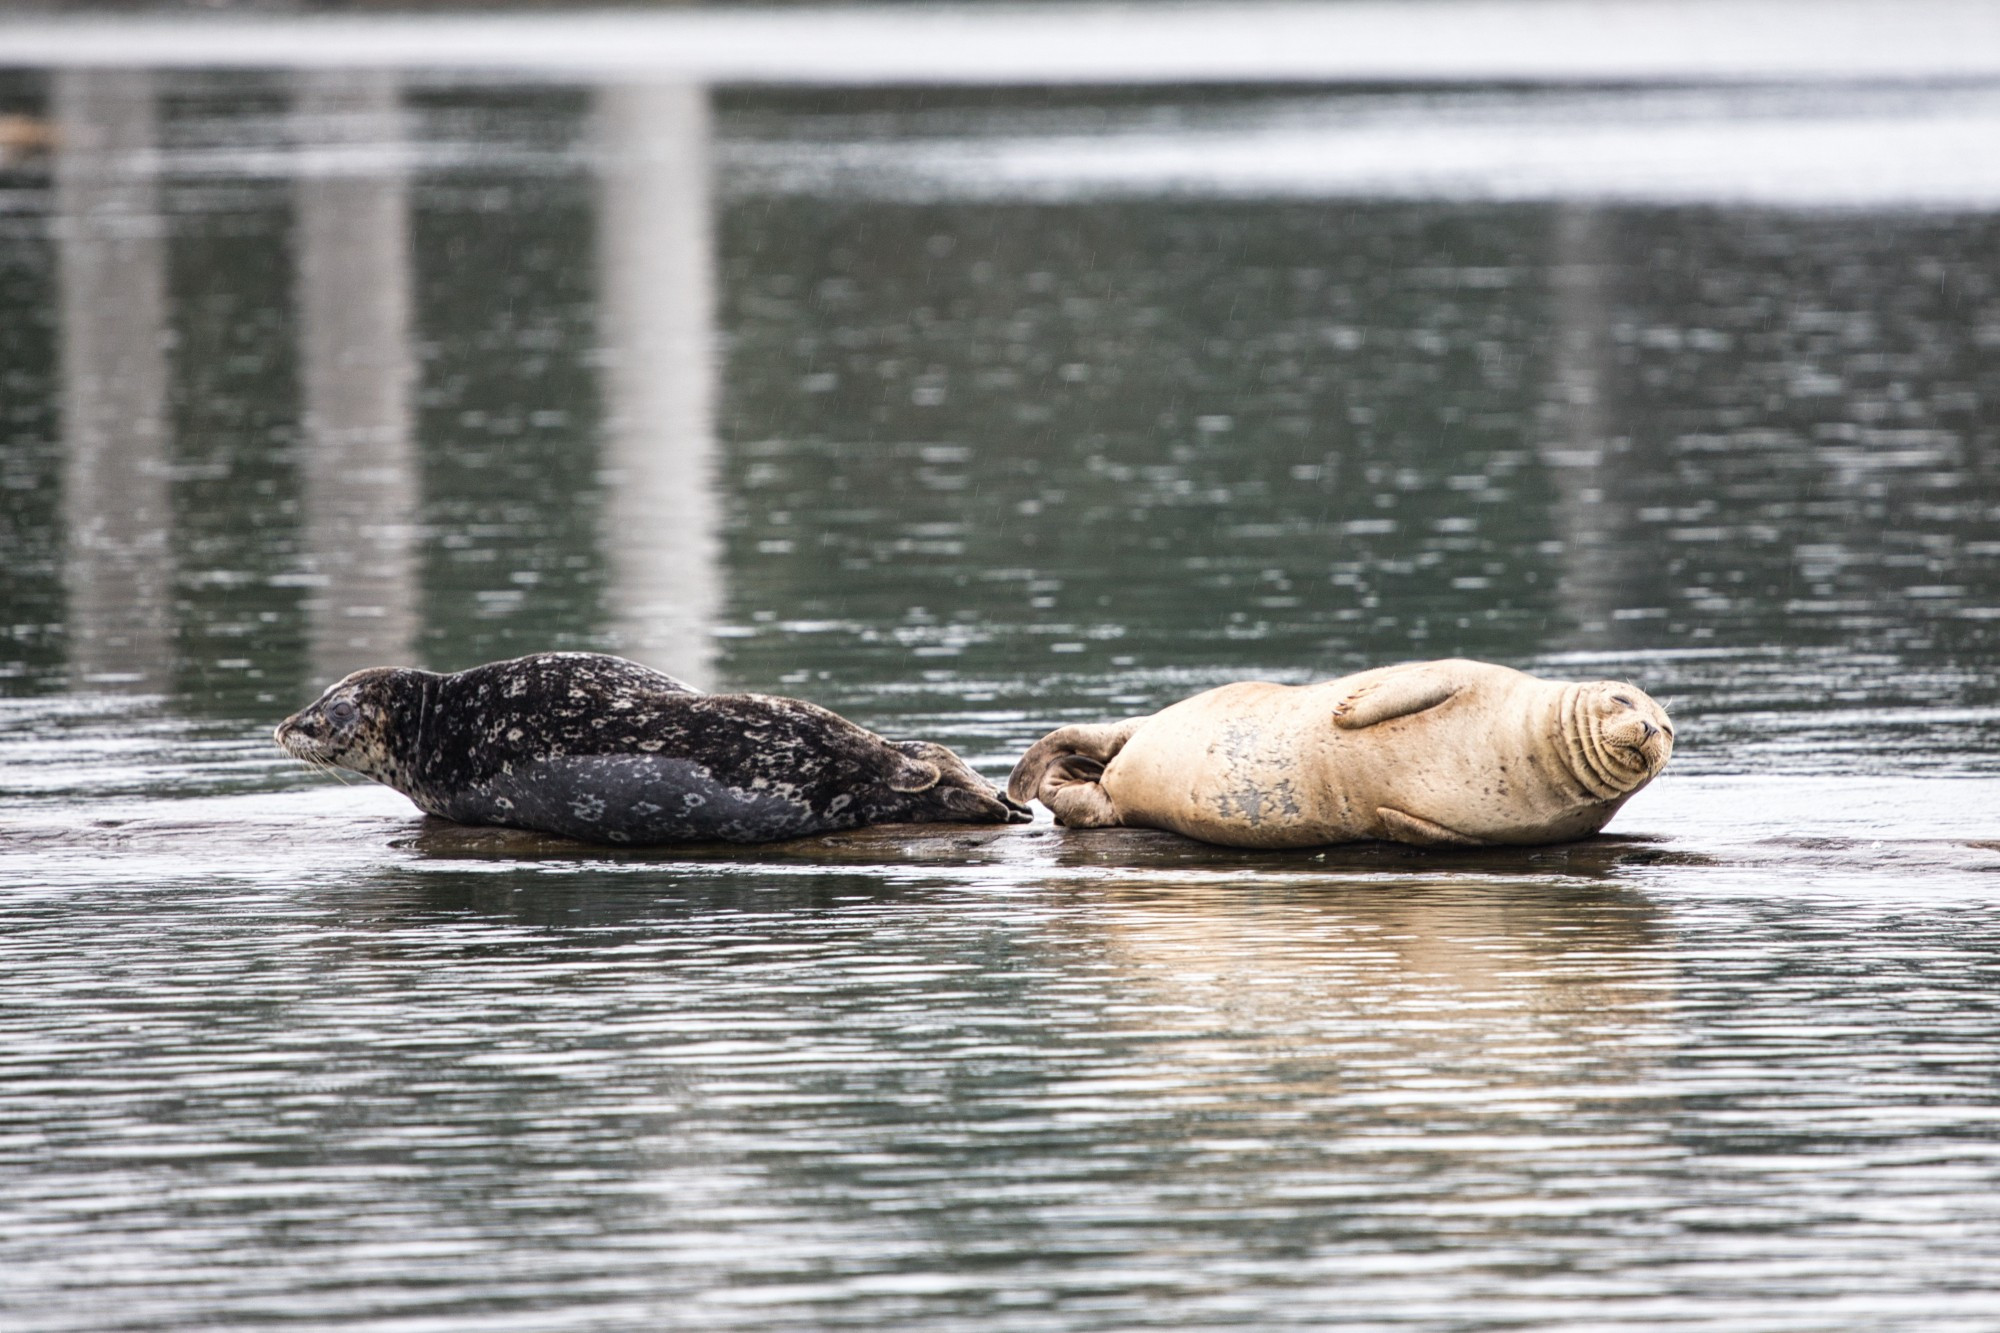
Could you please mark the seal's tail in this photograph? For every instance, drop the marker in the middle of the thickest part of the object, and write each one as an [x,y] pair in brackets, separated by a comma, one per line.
[1062,768]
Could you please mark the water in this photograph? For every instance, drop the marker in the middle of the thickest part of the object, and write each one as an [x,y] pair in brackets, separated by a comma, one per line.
[304,374]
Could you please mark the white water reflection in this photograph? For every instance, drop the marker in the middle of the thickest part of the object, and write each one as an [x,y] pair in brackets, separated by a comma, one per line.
[112,311]
[656,305]
[348,151]
[360,492]
[1577,447]
[1892,146]
[1108,44]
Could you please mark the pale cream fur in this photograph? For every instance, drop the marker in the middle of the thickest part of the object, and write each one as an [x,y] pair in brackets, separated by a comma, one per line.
[1452,752]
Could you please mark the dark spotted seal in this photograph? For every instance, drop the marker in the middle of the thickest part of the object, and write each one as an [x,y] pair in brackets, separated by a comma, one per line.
[1451,753]
[605,750]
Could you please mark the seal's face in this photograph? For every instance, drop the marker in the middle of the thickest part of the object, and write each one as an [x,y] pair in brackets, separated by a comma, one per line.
[957,794]
[350,726]
[1619,737]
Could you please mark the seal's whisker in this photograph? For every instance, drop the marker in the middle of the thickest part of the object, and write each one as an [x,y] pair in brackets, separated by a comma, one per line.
[323,766]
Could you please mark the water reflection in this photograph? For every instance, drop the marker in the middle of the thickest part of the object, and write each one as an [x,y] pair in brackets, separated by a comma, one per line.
[1543,998]
[604,1098]
[511,417]
[431,371]
[113,323]
[1582,459]
[358,495]
[656,300]
[1144,435]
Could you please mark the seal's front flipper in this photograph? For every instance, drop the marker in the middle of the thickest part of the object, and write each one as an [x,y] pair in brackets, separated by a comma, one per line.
[1397,692]
[1399,826]
[1100,743]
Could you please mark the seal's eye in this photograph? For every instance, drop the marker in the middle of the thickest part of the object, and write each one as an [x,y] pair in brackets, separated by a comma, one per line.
[342,711]
[1621,699]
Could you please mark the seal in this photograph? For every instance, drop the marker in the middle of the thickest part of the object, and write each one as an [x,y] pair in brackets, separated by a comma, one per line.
[605,750]
[1450,753]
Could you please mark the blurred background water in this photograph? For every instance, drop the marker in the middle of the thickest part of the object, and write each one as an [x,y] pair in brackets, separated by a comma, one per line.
[968,408]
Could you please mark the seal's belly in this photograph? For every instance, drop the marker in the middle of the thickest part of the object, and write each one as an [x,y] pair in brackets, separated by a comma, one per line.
[1246,779]
[640,800]
[1270,770]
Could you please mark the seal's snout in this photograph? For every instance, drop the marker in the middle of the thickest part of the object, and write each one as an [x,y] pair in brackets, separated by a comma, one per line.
[982,803]
[302,737]
[288,734]
[956,792]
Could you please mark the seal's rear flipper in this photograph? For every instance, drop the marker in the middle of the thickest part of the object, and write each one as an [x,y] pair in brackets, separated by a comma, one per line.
[1399,826]
[1099,742]
[1071,791]
[1397,692]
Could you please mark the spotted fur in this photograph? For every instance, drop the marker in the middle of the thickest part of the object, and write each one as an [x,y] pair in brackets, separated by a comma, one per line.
[605,750]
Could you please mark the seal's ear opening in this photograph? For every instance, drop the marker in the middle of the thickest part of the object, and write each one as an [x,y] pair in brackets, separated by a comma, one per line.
[913,775]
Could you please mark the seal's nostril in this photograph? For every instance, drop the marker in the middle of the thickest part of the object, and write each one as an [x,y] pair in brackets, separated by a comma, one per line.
[1651,730]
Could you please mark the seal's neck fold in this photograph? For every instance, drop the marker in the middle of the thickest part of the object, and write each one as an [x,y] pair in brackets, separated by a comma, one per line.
[1590,763]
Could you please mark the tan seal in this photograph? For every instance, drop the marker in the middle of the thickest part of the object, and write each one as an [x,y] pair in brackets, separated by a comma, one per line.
[1450,753]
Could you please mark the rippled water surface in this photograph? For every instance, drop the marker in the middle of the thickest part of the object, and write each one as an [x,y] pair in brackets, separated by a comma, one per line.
[967,414]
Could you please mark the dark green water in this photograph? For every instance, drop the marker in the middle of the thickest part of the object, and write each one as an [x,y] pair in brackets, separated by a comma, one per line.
[297,378]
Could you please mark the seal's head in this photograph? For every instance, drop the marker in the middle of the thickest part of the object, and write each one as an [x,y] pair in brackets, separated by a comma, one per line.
[367,723]
[942,787]
[1618,737]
